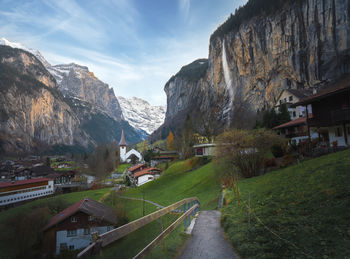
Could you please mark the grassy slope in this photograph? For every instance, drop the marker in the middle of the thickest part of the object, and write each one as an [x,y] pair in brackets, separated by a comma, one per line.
[7,249]
[175,184]
[307,204]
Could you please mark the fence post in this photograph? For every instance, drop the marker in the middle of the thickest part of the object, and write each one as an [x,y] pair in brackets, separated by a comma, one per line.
[189,216]
[185,221]
[248,210]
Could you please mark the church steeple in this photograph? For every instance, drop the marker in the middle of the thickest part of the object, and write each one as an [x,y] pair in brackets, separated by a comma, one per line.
[122,141]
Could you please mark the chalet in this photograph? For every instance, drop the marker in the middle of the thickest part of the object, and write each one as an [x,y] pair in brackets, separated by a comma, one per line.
[164,156]
[290,97]
[331,112]
[136,168]
[295,130]
[19,191]
[146,175]
[71,229]
[202,150]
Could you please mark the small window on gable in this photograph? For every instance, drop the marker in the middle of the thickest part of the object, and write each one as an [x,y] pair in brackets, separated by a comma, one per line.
[73,219]
[285,100]
[90,218]
[291,98]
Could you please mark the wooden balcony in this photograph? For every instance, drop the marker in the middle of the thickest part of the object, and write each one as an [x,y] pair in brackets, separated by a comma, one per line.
[331,118]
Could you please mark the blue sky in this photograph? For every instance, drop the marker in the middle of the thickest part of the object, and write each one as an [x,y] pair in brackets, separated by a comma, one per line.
[133,45]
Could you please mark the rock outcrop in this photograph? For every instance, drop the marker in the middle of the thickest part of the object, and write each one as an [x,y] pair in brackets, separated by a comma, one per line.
[32,108]
[305,44]
[77,81]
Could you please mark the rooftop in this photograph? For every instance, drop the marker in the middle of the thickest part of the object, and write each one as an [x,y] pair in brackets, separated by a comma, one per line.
[339,86]
[151,170]
[135,167]
[122,141]
[23,182]
[293,123]
[88,206]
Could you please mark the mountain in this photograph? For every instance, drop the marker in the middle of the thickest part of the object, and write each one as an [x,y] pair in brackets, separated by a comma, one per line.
[267,46]
[63,107]
[33,112]
[75,81]
[141,115]
[17,45]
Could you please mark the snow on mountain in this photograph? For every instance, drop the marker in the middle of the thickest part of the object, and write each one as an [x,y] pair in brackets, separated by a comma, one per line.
[17,45]
[140,114]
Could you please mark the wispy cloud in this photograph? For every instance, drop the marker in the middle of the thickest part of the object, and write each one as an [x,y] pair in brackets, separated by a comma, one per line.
[184,6]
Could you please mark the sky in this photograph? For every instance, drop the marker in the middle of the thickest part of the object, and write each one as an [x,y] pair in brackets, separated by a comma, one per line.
[135,46]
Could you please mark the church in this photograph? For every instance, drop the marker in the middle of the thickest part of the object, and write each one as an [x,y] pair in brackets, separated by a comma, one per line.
[125,156]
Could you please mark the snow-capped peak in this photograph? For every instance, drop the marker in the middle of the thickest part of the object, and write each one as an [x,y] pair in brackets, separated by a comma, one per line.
[17,45]
[140,114]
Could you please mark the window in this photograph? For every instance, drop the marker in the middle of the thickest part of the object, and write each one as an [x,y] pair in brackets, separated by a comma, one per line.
[291,98]
[71,233]
[294,114]
[338,132]
[73,219]
[86,231]
[71,247]
[280,101]
[90,218]
[285,100]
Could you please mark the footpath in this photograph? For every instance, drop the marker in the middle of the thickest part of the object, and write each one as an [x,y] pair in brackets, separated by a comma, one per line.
[208,239]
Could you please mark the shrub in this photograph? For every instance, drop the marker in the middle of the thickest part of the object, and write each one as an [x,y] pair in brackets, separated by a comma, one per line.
[277,150]
[269,162]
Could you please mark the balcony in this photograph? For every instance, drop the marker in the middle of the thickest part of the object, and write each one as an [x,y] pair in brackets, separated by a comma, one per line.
[331,118]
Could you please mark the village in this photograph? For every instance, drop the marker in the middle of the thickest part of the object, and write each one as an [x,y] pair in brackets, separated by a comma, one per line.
[319,120]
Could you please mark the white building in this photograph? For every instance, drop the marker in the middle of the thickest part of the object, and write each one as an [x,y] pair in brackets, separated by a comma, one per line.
[18,191]
[291,96]
[124,155]
[146,175]
[201,150]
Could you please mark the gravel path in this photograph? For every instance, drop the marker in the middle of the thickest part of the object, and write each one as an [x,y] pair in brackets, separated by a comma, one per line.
[207,239]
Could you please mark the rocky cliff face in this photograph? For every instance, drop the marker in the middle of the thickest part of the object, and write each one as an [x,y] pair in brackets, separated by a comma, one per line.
[77,81]
[32,109]
[303,45]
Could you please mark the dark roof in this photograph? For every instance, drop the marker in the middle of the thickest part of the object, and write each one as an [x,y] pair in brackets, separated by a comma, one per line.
[293,123]
[300,93]
[42,170]
[122,141]
[337,87]
[22,182]
[151,170]
[88,206]
[135,167]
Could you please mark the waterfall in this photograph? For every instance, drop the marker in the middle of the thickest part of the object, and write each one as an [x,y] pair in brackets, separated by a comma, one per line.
[228,81]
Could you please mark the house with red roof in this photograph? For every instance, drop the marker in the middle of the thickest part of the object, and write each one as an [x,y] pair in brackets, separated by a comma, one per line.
[146,175]
[72,228]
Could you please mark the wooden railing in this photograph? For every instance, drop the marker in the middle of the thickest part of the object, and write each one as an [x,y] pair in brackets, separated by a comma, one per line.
[189,207]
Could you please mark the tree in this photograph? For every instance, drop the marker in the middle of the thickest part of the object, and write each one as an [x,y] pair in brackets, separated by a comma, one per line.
[104,160]
[170,140]
[187,138]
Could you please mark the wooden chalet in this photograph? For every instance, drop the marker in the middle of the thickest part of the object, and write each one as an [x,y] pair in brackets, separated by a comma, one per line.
[71,229]
[331,112]
[146,175]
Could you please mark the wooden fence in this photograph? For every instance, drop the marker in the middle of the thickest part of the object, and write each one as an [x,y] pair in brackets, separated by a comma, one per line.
[188,206]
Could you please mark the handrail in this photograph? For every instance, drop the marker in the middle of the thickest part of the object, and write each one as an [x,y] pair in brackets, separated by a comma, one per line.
[115,234]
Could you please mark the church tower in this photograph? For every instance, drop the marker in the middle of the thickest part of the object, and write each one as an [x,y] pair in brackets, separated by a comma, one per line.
[122,145]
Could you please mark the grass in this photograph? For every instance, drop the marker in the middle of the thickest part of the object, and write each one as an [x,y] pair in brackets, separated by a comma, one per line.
[307,204]
[9,250]
[176,183]
[122,167]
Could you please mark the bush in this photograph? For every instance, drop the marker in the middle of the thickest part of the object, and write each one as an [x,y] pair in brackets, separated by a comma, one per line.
[269,162]
[277,150]
[287,160]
